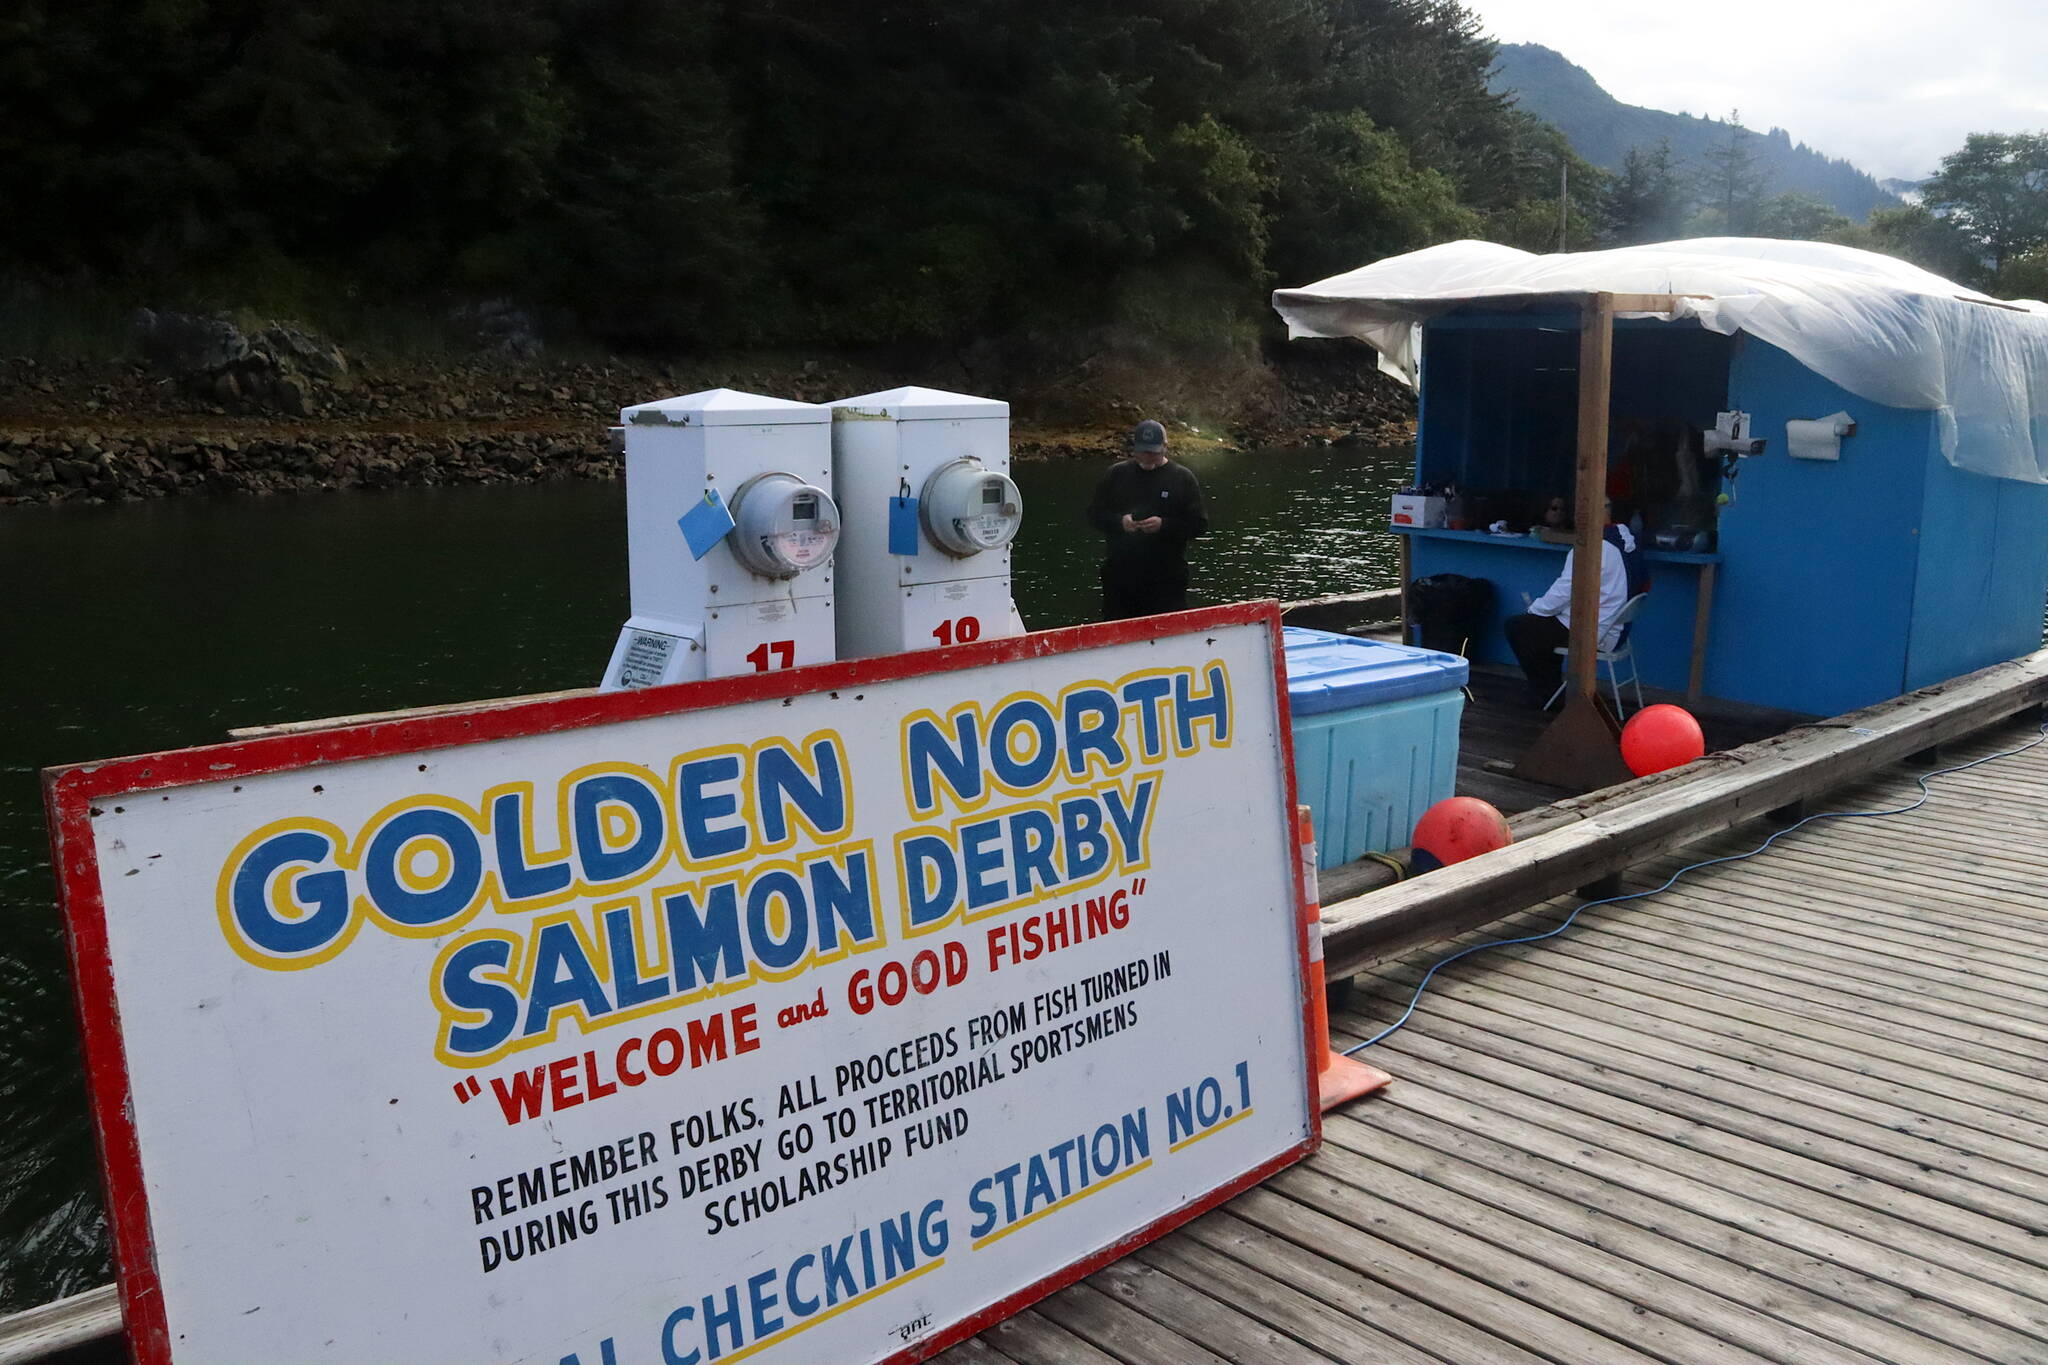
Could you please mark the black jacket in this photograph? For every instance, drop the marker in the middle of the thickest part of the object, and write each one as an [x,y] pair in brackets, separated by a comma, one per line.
[1171,492]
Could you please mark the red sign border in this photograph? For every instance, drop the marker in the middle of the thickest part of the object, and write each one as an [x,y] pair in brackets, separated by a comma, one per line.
[71,791]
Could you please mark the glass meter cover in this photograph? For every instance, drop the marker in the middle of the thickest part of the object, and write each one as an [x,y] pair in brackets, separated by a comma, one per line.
[968,508]
[783,526]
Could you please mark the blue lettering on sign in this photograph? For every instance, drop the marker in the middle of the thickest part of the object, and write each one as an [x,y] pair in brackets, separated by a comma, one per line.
[463,992]
[700,807]
[780,1301]
[979,865]
[954,760]
[598,861]
[1031,771]
[520,880]
[422,907]
[320,897]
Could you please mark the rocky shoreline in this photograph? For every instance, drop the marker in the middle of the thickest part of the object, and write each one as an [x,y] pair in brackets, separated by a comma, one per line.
[272,419]
[84,465]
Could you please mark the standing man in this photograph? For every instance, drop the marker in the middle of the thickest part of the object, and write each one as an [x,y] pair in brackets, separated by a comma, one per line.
[1149,509]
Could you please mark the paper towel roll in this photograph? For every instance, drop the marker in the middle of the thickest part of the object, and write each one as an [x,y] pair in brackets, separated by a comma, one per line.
[1818,439]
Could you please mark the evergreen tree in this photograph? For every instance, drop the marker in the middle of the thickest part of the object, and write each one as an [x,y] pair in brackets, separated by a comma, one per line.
[1644,201]
[1732,181]
[1912,233]
[1800,217]
[702,172]
[1995,190]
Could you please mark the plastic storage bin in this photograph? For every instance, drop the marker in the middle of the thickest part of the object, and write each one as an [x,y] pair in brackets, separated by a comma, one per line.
[1375,737]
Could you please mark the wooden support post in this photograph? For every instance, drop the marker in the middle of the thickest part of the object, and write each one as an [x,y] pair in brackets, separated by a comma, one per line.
[1702,612]
[1407,561]
[1581,749]
[1596,382]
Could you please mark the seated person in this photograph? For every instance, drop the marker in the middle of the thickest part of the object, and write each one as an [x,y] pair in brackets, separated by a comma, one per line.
[1537,634]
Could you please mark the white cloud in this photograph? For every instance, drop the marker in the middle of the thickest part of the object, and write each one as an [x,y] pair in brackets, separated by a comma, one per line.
[1893,86]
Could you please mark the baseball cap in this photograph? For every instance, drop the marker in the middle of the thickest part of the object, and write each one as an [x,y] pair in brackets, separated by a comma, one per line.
[1148,435]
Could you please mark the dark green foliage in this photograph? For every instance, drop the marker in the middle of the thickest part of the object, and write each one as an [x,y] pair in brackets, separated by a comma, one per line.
[1645,200]
[1800,217]
[1732,180]
[1912,233]
[684,171]
[1995,191]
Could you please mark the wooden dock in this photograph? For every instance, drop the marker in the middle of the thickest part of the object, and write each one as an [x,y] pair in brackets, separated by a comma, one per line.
[1791,1110]
[1499,725]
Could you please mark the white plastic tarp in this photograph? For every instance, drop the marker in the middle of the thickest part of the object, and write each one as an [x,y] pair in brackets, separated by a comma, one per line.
[1882,329]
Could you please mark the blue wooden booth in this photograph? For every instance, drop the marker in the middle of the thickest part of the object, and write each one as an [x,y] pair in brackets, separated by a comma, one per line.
[1829,585]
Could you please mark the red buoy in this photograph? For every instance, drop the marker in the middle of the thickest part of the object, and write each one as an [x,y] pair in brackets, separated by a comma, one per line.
[1457,828]
[1661,737]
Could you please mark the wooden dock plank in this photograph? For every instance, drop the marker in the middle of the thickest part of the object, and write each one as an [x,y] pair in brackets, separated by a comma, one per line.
[1415,1327]
[1984,1317]
[1522,990]
[1790,1110]
[1690,1321]
[1121,1331]
[1252,1288]
[1213,1318]
[1032,1336]
[1875,1030]
[1309,1206]
[1985,1261]
[1783,1118]
[1856,1311]
[1983,1097]
[1821,994]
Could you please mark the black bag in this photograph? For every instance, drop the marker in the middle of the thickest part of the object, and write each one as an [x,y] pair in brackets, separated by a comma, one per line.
[1450,609]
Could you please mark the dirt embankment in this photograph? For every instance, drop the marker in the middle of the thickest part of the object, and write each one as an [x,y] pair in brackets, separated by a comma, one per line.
[296,416]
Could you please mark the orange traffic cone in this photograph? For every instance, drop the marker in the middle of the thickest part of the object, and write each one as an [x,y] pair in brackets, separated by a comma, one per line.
[1338,1078]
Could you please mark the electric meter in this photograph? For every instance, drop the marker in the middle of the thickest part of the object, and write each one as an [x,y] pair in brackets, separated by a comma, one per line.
[967,508]
[782,525]
[930,516]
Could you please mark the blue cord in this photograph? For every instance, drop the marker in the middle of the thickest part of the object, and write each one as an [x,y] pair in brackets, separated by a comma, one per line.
[1423,985]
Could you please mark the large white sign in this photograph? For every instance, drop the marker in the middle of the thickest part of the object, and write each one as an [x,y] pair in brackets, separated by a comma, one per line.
[694,1025]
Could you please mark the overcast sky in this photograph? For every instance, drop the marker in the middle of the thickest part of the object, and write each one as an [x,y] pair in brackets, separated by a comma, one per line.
[1891,86]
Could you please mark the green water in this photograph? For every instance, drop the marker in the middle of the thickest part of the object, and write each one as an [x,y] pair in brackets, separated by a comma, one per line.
[158,625]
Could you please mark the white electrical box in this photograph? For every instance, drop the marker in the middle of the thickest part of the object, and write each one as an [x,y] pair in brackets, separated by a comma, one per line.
[731,528]
[930,513]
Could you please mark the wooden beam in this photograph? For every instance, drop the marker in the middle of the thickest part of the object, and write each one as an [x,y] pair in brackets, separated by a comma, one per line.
[1580,750]
[45,1332]
[1650,303]
[1406,569]
[1702,614]
[1342,611]
[1596,380]
[1643,819]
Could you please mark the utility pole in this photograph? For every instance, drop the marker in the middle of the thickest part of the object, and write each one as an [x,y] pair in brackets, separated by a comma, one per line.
[1564,173]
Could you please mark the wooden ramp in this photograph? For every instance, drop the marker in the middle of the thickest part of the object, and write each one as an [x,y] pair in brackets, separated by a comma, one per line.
[1793,1110]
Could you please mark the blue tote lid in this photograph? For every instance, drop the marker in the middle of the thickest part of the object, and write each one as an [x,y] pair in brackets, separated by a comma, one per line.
[1330,672]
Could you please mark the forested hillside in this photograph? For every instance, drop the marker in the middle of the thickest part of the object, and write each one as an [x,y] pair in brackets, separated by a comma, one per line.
[1603,130]
[682,173]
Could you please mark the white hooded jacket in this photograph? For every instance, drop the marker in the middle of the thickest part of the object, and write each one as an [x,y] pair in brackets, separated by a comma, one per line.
[1557,601]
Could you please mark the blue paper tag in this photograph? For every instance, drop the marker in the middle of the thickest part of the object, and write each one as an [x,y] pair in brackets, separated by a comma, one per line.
[903,529]
[705,524]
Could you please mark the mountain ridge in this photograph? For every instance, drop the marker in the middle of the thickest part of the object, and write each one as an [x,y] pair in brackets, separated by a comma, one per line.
[1602,129]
